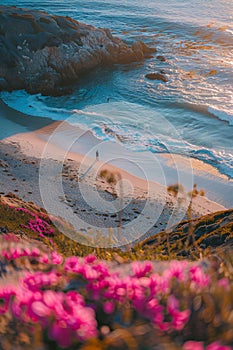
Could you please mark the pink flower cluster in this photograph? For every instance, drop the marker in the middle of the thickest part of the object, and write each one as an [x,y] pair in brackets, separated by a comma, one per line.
[37,224]
[150,294]
[16,251]
[39,280]
[70,316]
[64,316]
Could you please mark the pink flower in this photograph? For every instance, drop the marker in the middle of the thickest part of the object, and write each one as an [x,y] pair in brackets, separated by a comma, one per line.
[40,309]
[180,318]
[56,258]
[145,282]
[90,259]
[193,345]
[74,298]
[61,333]
[72,264]
[89,273]
[163,326]
[51,298]
[26,251]
[199,277]
[177,269]
[140,269]
[172,304]
[26,211]
[44,259]
[217,346]
[35,252]
[34,281]
[224,282]
[163,284]
[101,268]
[109,307]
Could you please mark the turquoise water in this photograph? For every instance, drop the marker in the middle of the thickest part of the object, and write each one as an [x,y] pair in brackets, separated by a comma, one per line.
[191,114]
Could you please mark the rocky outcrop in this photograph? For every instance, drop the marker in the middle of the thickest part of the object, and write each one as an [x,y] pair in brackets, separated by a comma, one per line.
[210,231]
[156,76]
[40,52]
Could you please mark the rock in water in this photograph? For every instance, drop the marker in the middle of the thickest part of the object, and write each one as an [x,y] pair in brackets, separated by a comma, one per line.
[161,58]
[40,52]
[156,76]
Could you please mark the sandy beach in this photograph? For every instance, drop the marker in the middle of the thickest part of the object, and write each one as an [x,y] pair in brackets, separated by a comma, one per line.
[54,165]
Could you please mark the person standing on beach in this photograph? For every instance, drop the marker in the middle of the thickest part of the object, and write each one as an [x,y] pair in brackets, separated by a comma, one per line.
[97,155]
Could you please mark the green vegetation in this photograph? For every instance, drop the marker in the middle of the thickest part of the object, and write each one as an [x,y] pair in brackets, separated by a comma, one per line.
[211,233]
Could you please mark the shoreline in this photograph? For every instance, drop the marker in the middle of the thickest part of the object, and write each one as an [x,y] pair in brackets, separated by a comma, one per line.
[17,122]
[175,168]
[21,160]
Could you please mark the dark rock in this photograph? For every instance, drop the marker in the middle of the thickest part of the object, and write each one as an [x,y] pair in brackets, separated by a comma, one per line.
[205,229]
[44,53]
[12,195]
[162,71]
[156,76]
[214,240]
[183,253]
[4,230]
[161,58]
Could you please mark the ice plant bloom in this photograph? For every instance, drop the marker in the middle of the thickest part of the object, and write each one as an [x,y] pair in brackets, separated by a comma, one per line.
[140,269]
[177,269]
[56,258]
[109,307]
[198,277]
[66,296]
[179,318]
[193,345]
[37,224]
[217,346]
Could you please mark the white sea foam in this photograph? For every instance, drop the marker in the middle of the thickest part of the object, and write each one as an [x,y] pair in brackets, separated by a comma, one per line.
[222,114]
[33,105]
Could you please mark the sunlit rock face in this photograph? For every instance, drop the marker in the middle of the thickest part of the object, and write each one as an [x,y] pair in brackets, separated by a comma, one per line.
[40,52]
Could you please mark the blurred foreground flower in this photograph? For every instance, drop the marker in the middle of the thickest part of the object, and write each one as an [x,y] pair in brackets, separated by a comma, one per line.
[75,300]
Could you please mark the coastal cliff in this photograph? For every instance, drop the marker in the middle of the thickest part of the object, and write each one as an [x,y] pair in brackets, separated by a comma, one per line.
[207,235]
[40,52]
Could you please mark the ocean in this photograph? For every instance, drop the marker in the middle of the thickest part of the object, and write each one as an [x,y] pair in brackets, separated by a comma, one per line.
[190,115]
